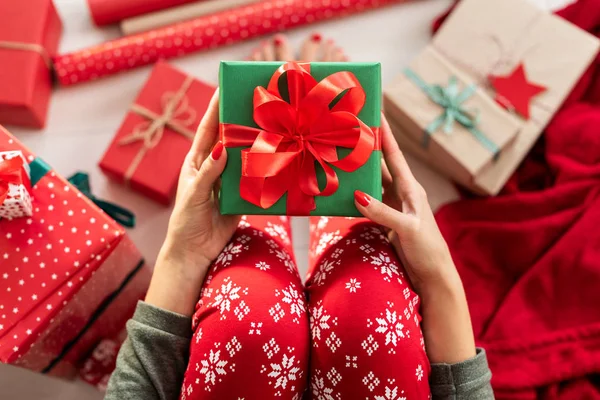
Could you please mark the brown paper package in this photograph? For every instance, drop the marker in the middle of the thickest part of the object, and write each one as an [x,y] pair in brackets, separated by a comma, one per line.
[489,37]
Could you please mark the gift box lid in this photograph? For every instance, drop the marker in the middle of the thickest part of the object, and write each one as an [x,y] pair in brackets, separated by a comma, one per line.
[29,37]
[45,259]
[238,81]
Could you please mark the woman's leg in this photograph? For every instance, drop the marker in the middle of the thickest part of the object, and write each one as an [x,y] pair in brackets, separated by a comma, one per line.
[364,316]
[251,327]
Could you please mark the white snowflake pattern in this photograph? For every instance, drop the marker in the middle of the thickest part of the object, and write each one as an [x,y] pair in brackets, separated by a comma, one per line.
[386,266]
[233,346]
[322,223]
[419,373]
[284,372]
[351,361]
[319,390]
[287,261]
[391,327]
[212,368]
[271,348]
[371,381]
[225,297]
[333,342]
[370,345]
[390,394]
[277,312]
[319,321]
[296,301]
[198,335]
[279,231]
[255,328]
[229,252]
[244,223]
[325,269]
[334,376]
[327,239]
[353,285]
[263,266]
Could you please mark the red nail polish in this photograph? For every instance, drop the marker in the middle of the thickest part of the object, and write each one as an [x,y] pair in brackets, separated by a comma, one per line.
[362,198]
[278,42]
[217,151]
[316,37]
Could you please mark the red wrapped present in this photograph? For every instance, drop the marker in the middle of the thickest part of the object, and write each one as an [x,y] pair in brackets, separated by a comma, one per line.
[69,275]
[29,36]
[149,148]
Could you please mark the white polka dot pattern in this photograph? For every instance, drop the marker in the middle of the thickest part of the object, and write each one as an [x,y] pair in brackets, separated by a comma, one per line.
[201,34]
[56,267]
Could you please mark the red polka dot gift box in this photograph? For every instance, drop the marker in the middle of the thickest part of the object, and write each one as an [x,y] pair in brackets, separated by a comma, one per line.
[69,275]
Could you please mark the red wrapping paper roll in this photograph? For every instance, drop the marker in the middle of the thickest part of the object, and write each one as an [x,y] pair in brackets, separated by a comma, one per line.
[109,11]
[202,33]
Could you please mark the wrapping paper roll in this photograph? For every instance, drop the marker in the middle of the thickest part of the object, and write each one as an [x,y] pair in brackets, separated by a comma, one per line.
[202,33]
[144,23]
[109,11]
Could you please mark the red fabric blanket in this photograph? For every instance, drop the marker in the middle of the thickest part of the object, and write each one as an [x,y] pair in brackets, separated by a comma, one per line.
[530,258]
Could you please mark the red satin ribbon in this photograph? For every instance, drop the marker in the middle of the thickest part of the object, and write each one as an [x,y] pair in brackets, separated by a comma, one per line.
[295,135]
[11,172]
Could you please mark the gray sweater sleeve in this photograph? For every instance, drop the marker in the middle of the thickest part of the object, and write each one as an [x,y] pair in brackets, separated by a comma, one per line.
[467,380]
[154,357]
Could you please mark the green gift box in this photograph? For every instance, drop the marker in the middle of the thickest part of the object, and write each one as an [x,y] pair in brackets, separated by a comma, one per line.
[300,137]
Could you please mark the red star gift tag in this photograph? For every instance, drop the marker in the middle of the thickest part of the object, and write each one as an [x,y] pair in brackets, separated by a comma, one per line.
[514,91]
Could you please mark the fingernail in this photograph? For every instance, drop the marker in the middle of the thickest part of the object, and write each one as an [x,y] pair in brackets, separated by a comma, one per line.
[217,151]
[362,198]
[316,37]
[278,42]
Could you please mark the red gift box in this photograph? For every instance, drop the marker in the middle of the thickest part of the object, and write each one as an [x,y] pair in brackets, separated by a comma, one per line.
[69,275]
[148,150]
[29,36]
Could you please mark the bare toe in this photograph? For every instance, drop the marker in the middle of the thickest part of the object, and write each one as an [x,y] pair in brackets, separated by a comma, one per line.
[268,50]
[338,55]
[257,55]
[283,50]
[311,47]
[328,51]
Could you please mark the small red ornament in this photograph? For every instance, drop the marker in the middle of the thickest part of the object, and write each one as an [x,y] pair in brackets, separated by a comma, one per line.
[514,91]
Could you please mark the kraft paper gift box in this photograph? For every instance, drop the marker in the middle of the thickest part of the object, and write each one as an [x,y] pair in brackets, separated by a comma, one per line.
[29,37]
[262,105]
[521,57]
[69,274]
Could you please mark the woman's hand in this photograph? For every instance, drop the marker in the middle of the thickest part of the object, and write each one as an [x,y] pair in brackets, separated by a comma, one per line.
[424,253]
[197,231]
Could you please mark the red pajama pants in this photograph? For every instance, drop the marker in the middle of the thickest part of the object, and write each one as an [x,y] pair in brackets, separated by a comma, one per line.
[352,332]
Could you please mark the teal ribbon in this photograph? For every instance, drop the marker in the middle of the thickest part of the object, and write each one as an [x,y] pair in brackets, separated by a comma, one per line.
[451,99]
[81,181]
[38,169]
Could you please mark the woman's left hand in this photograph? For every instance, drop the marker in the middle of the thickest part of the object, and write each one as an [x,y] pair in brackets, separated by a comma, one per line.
[197,231]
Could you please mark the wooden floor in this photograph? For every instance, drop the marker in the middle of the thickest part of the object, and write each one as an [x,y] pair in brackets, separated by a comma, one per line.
[84,118]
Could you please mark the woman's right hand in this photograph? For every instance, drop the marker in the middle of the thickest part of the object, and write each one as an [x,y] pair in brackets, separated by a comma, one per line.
[424,253]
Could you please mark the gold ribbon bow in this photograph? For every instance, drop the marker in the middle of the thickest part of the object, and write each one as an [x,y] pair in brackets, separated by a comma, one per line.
[150,132]
[36,48]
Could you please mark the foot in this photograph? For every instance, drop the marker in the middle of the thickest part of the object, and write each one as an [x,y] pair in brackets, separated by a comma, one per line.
[314,48]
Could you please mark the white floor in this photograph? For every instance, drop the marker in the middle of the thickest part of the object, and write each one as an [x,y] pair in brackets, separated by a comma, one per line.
[84,118]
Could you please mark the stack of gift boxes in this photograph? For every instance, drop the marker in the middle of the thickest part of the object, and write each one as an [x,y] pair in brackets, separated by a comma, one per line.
[471,104]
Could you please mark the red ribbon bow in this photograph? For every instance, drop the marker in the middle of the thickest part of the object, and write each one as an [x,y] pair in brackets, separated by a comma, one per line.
[11,172]
[295,135]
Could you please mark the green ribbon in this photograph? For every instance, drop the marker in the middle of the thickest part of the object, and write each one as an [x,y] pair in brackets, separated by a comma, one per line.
[38,169]
[451,99]
[81,181]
